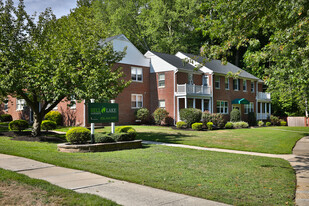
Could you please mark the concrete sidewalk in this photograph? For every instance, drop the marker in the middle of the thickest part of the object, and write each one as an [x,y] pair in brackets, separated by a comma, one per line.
[122,192]
[299,160]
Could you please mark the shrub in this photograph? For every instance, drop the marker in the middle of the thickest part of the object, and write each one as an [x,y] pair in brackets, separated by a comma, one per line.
[48,125]
[197,126]
[240,124]
[229,125]
[132,133]
[260,123]
[216,119]
[181,125]
[274,120]
[159,115]
[283,123]
[54,116]
[268,124]
[6,118]
[78,135]
[235,115]
[251,119]
[120,137]
[124,129]
[190,115]
[210,125]
[142,114]
[18,125]
[103,138]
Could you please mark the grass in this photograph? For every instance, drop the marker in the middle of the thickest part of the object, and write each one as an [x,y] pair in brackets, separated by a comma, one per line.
[274,140]
[229,178]
[18,189]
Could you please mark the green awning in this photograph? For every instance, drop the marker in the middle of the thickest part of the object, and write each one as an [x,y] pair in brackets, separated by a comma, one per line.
[240,101]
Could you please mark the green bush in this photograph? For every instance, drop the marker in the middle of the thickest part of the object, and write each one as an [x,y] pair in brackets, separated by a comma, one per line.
[197,126]
[216,119]
[78,135]
[260,123]
[251,119]
[120,137]
[210,125]
[235,115]
[54,116]
[48,125]
[268,124]
[181,125]
[190,115]
[103,138]
[240,124]
[159,115]
[6,118]
[283,123]
[132,133]
[142,114]
[18,125]
[124,129]
[229,125]
[274,120]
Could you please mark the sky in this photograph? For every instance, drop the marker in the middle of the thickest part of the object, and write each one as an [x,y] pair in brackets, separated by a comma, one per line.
[59,7]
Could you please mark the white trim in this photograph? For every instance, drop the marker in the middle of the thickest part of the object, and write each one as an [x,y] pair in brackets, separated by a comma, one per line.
[224,107]
[161,73]
[228,83]
[136,101]
[194,63]
[157,64]
[20,104]
[136,69]
[217,81]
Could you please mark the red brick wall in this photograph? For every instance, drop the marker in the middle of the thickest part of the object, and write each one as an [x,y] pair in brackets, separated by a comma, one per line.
[22,114]
[230,95]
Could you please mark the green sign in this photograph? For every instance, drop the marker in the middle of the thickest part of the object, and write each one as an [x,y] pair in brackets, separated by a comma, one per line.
[102,112]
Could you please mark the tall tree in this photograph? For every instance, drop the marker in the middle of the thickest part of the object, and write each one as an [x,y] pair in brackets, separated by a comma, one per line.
[270,38]
[46,61]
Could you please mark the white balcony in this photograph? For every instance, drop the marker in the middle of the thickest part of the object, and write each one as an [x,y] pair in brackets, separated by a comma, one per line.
[192,89]
[263,96]
[262,116]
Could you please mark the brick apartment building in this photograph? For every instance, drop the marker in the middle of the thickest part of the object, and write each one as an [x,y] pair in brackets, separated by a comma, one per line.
[172,82]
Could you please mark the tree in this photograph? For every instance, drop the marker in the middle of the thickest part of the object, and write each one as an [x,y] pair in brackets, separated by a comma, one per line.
[267,38]
[47,61]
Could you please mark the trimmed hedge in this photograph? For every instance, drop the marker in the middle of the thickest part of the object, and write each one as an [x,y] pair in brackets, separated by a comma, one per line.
[240,124]
[78,135]
[216,119]
[103,138]
[229,125]
[260,123]
[197,126]
[6,118]
[54,116]
[210,125]
[124,129]
[18,125]
[159,115]
[235,115]
[48,125]
[190,115]
[181,125]
[283,123]
[120,137]
[142,114]
[268,124]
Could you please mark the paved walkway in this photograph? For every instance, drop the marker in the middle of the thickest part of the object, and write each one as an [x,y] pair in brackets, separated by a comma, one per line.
[299,160]
[124,193]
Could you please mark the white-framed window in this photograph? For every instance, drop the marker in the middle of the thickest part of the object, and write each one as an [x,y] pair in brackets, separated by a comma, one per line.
[249,107]
[227,83]
[244,85]
[137,74]
[205,80]
[217,82]
[252,86]
[136,101]
[6,105]
[222,107]
[20,104]
[236,84]
[161,80]
[162,104]
[190,79]
[73,102]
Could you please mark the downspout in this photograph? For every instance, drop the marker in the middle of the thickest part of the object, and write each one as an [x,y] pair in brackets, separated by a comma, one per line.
[84,113]
[174,98]
[212,92]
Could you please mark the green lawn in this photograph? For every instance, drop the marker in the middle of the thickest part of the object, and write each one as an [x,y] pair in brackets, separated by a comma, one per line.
[19,189]
[274,140]
[229,178]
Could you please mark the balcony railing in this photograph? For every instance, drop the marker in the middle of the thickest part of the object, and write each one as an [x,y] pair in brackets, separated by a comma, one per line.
[262,116]
[184,89]
[263,96]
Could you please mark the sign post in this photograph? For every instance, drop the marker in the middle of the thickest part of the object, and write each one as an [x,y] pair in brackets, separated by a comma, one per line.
[113,123]
[92,126]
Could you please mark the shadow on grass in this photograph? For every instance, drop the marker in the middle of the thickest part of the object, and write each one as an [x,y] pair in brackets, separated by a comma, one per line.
[162,137]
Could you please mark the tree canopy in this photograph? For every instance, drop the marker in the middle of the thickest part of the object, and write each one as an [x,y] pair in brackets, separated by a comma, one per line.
[45,61]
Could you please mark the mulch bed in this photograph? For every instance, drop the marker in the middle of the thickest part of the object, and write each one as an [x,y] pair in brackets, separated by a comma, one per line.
[26,136]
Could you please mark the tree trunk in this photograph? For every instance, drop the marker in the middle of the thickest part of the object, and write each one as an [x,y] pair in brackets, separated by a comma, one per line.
[36,128]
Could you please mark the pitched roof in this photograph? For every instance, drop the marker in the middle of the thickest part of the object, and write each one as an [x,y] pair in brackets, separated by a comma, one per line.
[175,61]
[112,38]
[217,67]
